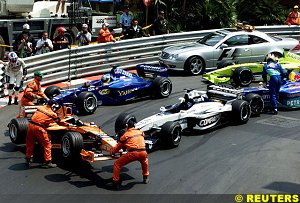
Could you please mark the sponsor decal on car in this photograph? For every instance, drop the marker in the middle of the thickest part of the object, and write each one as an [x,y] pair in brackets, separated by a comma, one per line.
[104,91]
[294,102]
[210,120]
[123,72]
[126,92]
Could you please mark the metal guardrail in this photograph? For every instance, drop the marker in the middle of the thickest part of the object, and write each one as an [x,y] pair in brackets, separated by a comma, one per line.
[90,60]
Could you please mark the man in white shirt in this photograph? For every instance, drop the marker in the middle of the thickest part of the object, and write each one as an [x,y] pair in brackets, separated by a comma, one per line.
[44,45]
[125,19]
[84,36]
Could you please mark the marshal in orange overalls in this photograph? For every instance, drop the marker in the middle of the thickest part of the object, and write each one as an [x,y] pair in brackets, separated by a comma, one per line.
[133,141]
[36,130]
[32,91]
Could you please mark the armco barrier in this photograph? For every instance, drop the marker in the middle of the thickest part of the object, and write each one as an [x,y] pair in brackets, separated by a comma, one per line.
[90,60]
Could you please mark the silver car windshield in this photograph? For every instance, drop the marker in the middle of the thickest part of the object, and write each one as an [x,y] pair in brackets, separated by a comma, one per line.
[212,38]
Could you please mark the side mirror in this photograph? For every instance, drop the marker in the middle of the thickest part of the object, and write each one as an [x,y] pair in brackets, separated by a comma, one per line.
[223,46]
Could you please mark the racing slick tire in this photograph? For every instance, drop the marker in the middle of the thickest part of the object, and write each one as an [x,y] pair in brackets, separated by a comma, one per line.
[224,63]
[241,111]
[194,65]
[122,120]
[52,91]
[161,87]
[256,103]
[18,130]
[86,103]
[170,134]
[242,76]
[71,145]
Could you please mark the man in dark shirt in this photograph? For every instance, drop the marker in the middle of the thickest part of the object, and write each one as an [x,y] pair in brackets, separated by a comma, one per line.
[160,26]
[19,39]
[60,41]
[135,31]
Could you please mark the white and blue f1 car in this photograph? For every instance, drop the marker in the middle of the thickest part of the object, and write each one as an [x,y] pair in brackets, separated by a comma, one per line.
[200,110]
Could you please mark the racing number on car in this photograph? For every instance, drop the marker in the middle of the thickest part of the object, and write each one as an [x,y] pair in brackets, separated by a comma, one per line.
[227,53]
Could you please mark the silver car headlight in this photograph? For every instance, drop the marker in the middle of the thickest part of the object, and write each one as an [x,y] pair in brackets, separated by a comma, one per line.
[173,56]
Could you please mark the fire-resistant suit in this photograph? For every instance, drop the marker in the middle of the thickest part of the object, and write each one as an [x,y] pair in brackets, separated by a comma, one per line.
[133,141]
[40,120]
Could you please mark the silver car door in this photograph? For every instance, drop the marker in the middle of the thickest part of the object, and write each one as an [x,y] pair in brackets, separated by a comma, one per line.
[259,47]
[235,48]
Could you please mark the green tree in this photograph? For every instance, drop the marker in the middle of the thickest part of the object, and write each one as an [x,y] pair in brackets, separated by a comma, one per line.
[261,12]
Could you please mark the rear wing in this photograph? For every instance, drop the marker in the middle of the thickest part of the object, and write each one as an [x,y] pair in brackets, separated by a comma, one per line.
[223,93]
[151,71]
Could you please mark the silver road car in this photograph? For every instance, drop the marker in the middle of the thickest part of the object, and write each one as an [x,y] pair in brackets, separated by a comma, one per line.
[222,48]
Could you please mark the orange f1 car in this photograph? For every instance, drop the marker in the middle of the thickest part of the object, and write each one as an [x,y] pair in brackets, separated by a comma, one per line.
[75,138]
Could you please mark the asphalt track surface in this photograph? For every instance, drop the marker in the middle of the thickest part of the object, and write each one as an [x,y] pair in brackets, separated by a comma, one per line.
[261,156]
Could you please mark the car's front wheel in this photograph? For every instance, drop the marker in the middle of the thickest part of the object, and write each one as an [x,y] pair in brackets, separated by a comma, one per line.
[86,103]
[122,120]
[171,134]
[161,87]
[71,145]
[256,103]
[194,65]
[241,111]
[18,130]
[242,76]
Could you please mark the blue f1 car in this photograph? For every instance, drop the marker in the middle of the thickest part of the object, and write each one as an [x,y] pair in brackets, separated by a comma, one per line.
[114,88]
[259,97]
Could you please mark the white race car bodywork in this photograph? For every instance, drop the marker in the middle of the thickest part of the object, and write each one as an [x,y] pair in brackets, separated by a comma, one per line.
[207,115]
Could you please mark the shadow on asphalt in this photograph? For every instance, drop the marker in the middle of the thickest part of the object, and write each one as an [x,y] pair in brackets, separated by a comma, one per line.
[284,187]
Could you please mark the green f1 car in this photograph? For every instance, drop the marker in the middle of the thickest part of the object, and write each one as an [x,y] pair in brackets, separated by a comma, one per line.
[245,73]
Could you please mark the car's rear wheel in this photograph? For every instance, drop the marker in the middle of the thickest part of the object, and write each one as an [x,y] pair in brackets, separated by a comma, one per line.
[241,111]
[52,91]
[242,76]
[194,65]
[122,120]
[170,134]
[161,87]
[18,130]
[256,103]
[86,103]
[71,145]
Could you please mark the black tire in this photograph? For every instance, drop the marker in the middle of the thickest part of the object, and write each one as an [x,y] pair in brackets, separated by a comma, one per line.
[242,76]
[71,145]
[225,63]
[18,130]
[241,111]
[161,87]
[171,134]
[194,65]
[122,120]
[52,91]
[86,103]
[256,103]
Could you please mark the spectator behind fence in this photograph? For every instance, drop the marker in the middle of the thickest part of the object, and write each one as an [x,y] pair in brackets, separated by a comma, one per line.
[25,47]
[125,19]
[44,45]
[293,17]
[19,39]
[135,31]
[104,34]
[60,41]
[160,25]
[84,36]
